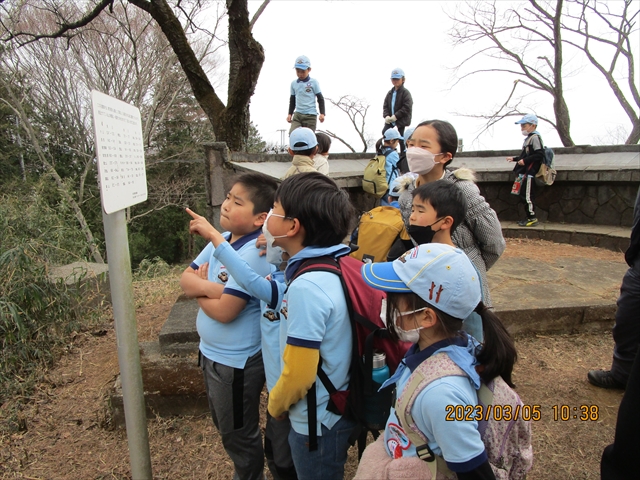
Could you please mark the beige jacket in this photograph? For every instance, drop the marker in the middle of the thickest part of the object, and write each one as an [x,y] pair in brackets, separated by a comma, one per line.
[300,164]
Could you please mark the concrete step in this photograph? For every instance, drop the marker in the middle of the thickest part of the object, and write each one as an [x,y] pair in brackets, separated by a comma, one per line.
[179,335]
[603,236]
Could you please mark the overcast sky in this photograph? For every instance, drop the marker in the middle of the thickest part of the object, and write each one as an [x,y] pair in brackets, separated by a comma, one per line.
[354,45]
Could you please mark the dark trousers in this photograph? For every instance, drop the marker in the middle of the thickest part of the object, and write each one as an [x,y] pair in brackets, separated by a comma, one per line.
[620,459]
[234,402]
[527,195]
[626,331]
[277,449]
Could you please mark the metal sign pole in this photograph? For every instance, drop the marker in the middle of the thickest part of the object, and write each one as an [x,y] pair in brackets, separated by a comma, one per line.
[123,183]
[115,230]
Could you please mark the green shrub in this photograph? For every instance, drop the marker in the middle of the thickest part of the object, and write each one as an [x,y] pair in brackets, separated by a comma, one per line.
[36,314]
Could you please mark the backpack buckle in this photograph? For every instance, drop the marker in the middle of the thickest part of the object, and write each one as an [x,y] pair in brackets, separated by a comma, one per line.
[425,453]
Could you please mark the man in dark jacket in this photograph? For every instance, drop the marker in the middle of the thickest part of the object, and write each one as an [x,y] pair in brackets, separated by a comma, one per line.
[397,106]
[620,459]
[626,331]
[528,163]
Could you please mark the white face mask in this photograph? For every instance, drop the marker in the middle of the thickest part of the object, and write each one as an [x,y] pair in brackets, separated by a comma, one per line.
[421,161]
[524,132]
[267,234]
[412,335]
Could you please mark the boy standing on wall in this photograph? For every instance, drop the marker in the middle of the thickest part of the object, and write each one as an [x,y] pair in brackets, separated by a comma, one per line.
[304,92]
[228,323]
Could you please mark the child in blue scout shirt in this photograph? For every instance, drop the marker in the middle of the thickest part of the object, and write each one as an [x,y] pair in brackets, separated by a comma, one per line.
[270,291]
[310,218]
[229,327]
[304,92]
[387,147]
[398,105]
[430,290]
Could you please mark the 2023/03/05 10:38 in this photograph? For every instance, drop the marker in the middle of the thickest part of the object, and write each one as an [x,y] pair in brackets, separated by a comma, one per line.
[515,412]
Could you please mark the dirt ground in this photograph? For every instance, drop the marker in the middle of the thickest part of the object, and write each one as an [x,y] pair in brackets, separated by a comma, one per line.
[64,431]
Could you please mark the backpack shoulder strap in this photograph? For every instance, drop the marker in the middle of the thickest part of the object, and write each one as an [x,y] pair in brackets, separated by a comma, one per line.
[325,264]
[435,367]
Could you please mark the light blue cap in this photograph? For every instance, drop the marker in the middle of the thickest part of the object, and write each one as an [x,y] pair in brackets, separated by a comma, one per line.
[407,133]
[302,62]
[528,118]
[392,134]
[397,73]
[443,276]
[302,138]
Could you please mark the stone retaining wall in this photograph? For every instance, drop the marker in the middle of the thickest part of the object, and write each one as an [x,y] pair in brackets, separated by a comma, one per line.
[595,185]
[568,202]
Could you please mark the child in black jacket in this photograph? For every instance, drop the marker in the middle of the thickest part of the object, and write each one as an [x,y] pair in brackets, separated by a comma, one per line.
[528,163]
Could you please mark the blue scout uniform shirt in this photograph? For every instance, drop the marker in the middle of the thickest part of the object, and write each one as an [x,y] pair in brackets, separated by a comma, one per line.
[270,291]
[458,442]
[305,93]
[232,343]
[314,315]
[393,105]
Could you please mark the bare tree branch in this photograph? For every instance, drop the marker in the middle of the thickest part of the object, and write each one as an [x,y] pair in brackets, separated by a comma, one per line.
[356,109]
[65,28]
[258,13]
[333,135]
[514,36]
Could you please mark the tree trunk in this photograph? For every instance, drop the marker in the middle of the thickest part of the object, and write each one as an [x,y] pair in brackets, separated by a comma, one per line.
[246,57]
[634,136]
[202,88]
[560,108]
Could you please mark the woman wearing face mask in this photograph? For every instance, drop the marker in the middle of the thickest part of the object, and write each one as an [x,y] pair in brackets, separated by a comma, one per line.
[430,149]
[429,291]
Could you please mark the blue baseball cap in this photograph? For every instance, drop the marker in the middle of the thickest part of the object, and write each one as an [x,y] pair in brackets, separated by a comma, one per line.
[302,138]
[528,118]
[392,134]
[443,276]
[407,133]
[397,73]
[302,62]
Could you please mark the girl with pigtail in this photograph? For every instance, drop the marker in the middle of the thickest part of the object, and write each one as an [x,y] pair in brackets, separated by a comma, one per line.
[430,290]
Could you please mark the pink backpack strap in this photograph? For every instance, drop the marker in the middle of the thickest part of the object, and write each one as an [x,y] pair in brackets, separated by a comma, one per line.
[435,367]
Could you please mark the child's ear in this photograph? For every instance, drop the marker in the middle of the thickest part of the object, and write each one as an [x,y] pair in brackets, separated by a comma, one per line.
[428,318]
[447,223]
[295,228]
[444,158]
[260,219]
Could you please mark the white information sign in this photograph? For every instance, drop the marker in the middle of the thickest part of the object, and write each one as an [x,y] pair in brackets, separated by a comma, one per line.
[120,152]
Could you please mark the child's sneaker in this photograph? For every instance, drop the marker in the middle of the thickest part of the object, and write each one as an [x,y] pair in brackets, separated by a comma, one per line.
[531,222]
